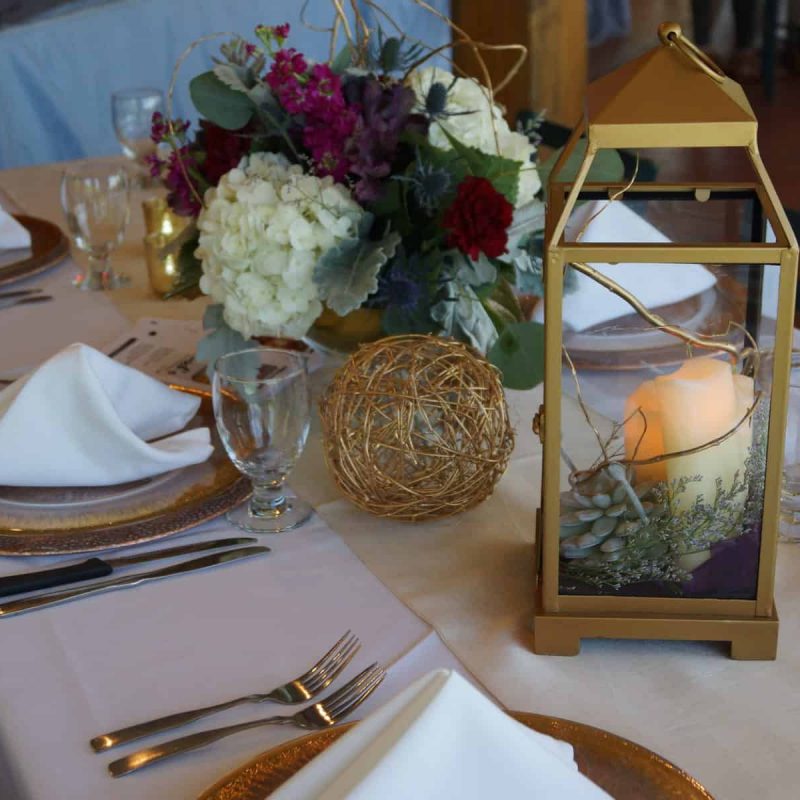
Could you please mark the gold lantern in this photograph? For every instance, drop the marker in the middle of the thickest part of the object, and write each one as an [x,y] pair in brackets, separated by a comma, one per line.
[668,335]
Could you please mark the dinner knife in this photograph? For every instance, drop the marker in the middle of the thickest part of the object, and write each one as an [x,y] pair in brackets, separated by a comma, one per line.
[101,567]
[18,293]
[22,301]
[53,598]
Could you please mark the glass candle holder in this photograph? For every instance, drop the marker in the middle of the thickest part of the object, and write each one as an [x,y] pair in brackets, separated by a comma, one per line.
[162,262]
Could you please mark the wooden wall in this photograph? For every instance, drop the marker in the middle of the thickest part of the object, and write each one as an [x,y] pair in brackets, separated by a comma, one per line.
[554,31]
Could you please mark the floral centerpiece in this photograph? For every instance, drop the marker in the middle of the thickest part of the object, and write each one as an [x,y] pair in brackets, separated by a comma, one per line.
[372,181]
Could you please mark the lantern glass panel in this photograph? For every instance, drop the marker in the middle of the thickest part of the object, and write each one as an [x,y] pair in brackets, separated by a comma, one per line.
[685,519]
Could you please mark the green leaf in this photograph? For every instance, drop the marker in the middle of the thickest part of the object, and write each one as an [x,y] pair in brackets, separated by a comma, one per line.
[607,166]
[519,355]
[221,341]
[390,54]
[226,107]
[343,59]
[346,275]
[502,172]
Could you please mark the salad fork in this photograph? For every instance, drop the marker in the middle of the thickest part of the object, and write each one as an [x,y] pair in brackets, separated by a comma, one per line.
[320,715]
[302,688]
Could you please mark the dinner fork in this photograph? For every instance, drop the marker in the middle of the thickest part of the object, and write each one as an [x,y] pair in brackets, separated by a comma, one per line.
[320,715]
[299,690]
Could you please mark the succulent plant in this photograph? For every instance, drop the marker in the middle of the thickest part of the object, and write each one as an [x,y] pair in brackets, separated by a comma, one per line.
[598,514]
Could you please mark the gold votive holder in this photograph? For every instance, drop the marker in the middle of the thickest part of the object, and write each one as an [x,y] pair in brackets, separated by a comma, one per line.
[160,218]
[162,262]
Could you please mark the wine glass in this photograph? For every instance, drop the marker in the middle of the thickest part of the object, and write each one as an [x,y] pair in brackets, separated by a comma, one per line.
[95,199]
[262,404]
[132,114]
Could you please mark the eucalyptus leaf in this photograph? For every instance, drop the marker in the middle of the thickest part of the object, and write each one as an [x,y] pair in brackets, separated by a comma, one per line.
[607,166]
[346,275]
[219,103]
[519,354]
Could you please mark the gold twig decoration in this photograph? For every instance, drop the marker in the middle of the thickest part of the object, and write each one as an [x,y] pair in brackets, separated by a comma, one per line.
[172,81]
[587,474]
[613,198]
[583,406]
[704,342]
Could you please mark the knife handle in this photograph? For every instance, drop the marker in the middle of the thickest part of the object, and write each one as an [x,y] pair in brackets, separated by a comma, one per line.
[46,578]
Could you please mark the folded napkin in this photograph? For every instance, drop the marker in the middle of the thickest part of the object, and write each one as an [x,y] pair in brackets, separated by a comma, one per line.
[82,419]
[654,284]
[441,738]
[12,234]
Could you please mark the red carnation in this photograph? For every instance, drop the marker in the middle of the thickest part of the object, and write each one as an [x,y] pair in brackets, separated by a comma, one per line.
[224,149]
[478,219]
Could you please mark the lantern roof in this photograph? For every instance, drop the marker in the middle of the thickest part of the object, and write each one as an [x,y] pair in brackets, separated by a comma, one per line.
[672,96]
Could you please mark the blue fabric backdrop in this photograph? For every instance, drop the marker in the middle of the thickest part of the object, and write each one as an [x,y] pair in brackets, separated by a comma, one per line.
[57,74]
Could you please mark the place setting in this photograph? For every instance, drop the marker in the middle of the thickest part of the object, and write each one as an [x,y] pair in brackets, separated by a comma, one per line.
[386,439]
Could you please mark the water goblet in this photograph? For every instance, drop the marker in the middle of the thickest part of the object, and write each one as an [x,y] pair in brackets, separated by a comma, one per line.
[132,114]
[262,405]
[95,200]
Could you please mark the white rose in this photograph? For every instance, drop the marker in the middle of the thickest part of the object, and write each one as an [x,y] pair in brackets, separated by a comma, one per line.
[474,120]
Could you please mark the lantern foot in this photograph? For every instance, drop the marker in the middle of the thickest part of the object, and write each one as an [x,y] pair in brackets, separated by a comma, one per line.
[554,640]
[756,645]
[560,633]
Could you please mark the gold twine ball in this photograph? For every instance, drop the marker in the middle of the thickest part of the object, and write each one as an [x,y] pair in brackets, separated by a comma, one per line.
[416,427]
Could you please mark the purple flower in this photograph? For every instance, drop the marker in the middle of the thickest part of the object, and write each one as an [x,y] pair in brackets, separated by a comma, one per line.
[182,192]
[286,77]
[385,114]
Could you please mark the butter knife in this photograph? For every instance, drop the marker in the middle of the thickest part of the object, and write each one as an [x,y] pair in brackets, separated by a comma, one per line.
[53,598]
[101,567]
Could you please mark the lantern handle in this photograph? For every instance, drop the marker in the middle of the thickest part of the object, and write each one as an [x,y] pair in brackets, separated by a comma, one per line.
[671,33]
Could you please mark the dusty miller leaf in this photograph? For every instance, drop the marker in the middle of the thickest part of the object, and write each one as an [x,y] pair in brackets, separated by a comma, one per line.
[347,274]
[234,76]
[462,315]
[221,340]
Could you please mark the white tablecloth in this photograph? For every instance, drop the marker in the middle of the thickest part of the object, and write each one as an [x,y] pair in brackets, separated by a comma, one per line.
[734,725]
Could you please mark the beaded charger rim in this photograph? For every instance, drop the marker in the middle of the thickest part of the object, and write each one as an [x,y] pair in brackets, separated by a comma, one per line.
[416,427]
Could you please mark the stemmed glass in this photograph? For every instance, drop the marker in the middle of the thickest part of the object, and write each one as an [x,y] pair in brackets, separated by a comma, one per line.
[96,204]
[262,404]
[132,113]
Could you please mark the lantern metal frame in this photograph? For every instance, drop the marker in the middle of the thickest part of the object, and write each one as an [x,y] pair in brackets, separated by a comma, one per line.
[751,626]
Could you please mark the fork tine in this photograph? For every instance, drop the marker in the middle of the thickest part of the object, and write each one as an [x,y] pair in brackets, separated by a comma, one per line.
[325,677]
[346,707]
[349,690]
[322,661]
[359,679]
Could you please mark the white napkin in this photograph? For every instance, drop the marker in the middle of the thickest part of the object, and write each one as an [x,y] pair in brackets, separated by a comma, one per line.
[82,419]
[12,234]
[441,738]
[654,284]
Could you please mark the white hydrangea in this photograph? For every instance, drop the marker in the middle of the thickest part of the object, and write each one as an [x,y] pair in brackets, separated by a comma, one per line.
[474,120]
[262,231]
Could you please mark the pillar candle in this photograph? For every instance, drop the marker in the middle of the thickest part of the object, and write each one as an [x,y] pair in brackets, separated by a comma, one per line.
[699,402]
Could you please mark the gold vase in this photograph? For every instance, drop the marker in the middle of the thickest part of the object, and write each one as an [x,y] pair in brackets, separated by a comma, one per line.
[344,334]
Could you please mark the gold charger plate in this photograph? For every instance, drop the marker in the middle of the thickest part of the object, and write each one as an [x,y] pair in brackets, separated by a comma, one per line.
[48,247]
[41,521]
[627,771]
